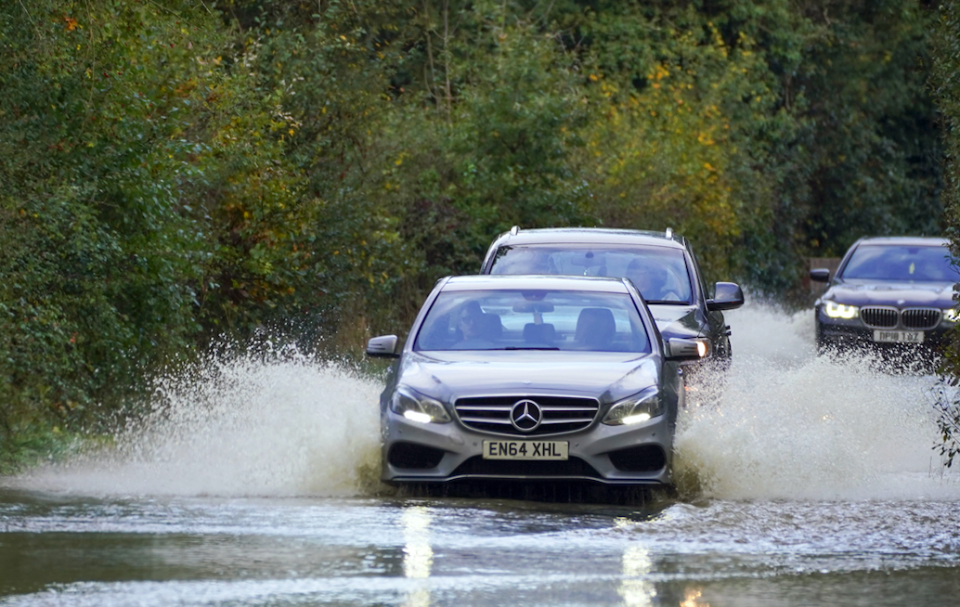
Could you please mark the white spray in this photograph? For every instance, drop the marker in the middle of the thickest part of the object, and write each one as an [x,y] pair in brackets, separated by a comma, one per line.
[796,426]
[279,424]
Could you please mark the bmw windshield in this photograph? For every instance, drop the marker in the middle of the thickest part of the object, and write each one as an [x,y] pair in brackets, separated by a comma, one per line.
[660,273]
[900,263]
[533,320]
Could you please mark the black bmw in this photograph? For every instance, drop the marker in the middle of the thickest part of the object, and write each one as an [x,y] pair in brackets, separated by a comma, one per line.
[889,293]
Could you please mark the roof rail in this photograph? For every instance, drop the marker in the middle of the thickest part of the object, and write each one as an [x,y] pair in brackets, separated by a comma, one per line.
[669,232]
[514,230]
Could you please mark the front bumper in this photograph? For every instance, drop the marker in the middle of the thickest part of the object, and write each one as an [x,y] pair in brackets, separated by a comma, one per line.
[843,334]
[638,454]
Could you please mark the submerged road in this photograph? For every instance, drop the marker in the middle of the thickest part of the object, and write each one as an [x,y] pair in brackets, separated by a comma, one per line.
[813,482]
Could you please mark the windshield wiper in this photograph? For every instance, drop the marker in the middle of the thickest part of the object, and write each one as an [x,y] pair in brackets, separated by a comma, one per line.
[529,348]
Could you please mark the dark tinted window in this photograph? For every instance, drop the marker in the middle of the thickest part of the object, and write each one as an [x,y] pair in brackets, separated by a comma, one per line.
[660,273]
[562,320]
[900,263]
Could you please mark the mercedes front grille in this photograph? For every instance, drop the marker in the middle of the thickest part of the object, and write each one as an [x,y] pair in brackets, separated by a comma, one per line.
[558,413]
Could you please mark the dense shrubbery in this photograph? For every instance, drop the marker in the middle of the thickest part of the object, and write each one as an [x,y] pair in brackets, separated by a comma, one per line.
[176,171]
[946,87]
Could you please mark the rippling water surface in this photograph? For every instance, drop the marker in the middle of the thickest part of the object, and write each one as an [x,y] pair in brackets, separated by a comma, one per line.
[812,482]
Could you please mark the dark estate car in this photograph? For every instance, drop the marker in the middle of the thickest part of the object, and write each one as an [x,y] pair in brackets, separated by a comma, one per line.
[661,264]
[888,293]
[533,378]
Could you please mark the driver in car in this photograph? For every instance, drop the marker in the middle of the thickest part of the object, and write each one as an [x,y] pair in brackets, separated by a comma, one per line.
[471,322]
[652,281]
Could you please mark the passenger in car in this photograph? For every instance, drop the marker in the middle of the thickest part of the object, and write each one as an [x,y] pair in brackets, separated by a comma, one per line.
[595,329]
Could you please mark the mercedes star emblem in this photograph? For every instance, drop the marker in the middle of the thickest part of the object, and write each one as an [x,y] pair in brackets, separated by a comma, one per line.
[526,415]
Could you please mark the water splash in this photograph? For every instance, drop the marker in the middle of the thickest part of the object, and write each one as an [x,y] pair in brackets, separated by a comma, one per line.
[792,425]
[249,424]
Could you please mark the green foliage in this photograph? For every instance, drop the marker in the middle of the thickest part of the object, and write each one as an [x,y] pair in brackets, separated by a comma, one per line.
[102,244]
[35,445]
[667,146]
[946,90]
[876,158]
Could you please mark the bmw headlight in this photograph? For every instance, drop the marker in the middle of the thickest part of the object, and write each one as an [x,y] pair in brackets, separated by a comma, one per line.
[418,408]
[839,310]
[635,410]
[951,314]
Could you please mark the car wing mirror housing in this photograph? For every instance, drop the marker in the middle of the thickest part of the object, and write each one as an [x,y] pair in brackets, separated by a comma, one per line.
[820,275]
[726,296]
[384,346]
[681,350]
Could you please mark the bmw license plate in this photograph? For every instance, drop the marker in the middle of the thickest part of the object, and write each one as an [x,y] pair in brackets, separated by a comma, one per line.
[525,449]
[898,337]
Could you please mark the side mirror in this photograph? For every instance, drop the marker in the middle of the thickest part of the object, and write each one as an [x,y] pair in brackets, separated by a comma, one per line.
[384,346]
[726,296]
[820,275]
[682,350]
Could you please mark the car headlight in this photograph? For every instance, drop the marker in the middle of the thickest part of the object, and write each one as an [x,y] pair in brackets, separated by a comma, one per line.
[634,410]
[417,407]
[951,314]
[839,310]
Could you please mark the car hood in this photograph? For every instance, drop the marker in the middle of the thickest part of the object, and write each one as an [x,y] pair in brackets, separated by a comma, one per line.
[676,321]
[608,376]
[898,294]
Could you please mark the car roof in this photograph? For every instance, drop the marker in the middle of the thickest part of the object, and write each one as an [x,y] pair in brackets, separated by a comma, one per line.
[590,236]
[600,284]
[916,241]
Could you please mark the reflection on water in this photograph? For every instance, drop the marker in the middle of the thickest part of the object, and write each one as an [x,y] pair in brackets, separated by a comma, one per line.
[417,553]
[290,553]
[692,597]
[636,589]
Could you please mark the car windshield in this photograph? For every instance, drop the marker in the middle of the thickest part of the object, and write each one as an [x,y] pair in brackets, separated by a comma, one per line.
[533,320]
[901,263]
[660,273]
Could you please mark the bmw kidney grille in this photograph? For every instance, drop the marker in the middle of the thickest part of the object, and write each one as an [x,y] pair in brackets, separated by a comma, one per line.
[910,318]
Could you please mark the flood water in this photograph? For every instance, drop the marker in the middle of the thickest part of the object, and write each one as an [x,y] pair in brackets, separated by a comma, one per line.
[815,482]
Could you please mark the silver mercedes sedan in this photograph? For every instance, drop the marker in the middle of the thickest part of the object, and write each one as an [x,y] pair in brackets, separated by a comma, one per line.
[532,378]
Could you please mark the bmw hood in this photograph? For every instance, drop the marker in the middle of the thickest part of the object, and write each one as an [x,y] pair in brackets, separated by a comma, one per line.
[607,376]
[897,294]
[676,321]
